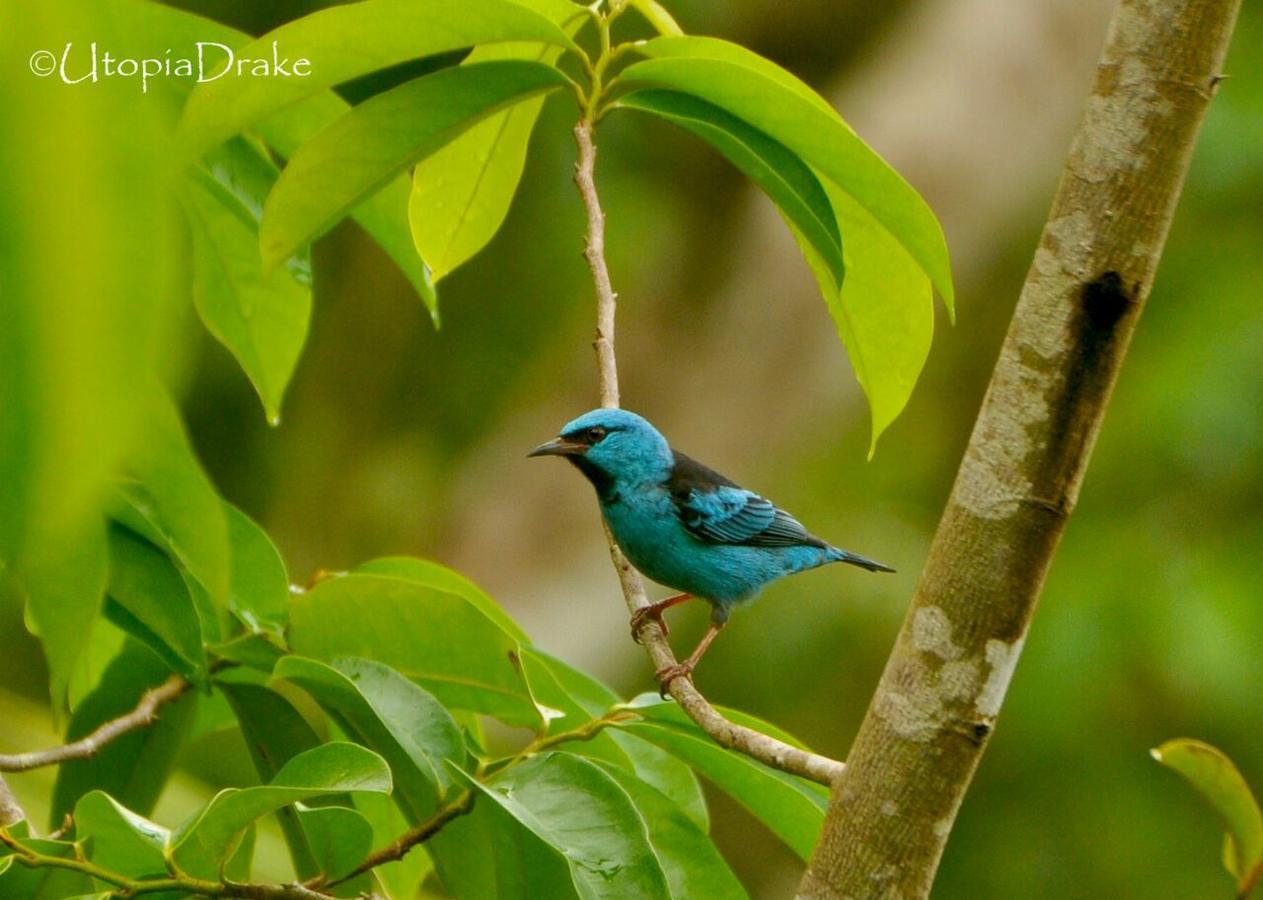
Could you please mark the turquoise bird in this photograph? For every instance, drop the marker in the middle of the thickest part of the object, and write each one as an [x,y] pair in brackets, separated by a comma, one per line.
[684,525]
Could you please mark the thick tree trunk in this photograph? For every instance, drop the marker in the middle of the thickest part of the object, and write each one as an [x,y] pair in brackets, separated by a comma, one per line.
[892,809]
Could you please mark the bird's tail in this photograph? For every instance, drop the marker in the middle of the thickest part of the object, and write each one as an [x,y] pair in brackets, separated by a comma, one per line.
[839,555]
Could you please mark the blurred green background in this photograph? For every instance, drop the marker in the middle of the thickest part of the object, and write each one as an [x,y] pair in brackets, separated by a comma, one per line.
[400,440]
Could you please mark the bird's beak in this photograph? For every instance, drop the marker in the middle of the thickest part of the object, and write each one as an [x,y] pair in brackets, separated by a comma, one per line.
[559,447]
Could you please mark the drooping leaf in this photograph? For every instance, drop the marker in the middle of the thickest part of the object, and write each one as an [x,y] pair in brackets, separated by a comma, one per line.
[132,768]
[344,42]
[275,733]
[436,638]
[210,836]
[261,317]
[64,586]
[657,16]
[786,179]
[340,838]
[576,808]
[462,192]
[791,807]
[167,498]
[120,840]
[149,600]
[1220,783]
[259,588]
[385,711]
[691,863]
[433,575]
[381,137]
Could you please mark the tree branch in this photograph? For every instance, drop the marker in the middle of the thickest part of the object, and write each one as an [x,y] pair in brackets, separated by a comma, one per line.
[10,810]
[753,743]
[926,728]
[145,712]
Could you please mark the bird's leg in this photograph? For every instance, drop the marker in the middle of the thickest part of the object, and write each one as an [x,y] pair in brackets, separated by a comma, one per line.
[685,669]
[654,611]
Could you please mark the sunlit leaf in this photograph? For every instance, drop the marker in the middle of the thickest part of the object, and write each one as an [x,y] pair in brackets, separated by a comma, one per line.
[657,16]
[210,835]
[576,808]
[436,638]
[380,138]
[259,587]
[1220,783]
[343,42]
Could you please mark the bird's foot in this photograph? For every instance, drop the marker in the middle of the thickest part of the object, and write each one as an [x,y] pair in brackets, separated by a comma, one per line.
[652,611]
[668,674]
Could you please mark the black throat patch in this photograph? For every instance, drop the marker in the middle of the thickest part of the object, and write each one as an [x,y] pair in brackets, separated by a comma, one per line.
[602,480]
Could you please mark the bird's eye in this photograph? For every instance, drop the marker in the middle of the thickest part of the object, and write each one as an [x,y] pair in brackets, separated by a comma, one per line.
[595,433]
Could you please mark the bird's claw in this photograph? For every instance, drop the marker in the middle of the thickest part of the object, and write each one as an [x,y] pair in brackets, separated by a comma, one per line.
[668,674]
[638,621]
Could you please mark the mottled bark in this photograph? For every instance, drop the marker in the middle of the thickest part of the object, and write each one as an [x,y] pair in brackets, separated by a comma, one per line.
[927,726]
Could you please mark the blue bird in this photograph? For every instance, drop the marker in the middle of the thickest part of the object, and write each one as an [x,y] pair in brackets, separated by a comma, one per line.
[684,525]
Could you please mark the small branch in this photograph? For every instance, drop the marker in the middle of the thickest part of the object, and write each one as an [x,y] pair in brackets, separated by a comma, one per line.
[10,810]
[419,834]
[753,743]
[133,887]
[145,712]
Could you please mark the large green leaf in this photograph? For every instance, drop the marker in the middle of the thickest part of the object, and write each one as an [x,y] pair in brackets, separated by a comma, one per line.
[132,768]
[380,138]
[120,840]
[64,585]
[573,806]
[149,600]
[580,698]
[433,575]
[436,638]
[884,315]
[167,498]
[261,317]
[1220,783]
[462,192]
[786,179]
[210,836]
[384,710]
[791,807]
[344,42]
[692,865]
[259,587]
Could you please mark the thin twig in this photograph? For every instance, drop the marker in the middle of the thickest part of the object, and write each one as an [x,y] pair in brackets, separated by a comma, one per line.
[419,834]
[728,734]
[145,712]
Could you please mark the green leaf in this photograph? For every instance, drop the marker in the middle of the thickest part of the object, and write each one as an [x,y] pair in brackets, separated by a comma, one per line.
[168,499]
[261,317]
[385,711]
[275,733]
[380,138]
[692,865]
[1220,783]
[433,575]
[786,179]
[257,651]
[132,768]
[462,192]
[657,16]
[209,836]
[344,42]
[340,838]
[791,807]
[581,698]
[578,810]
[120,840]
[259,587]
[43,882]
[149,600]
[884,315]
[64,585]
[384,214]
[436,638]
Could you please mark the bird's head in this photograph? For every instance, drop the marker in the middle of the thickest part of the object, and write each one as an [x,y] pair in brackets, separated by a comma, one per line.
[612,447]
